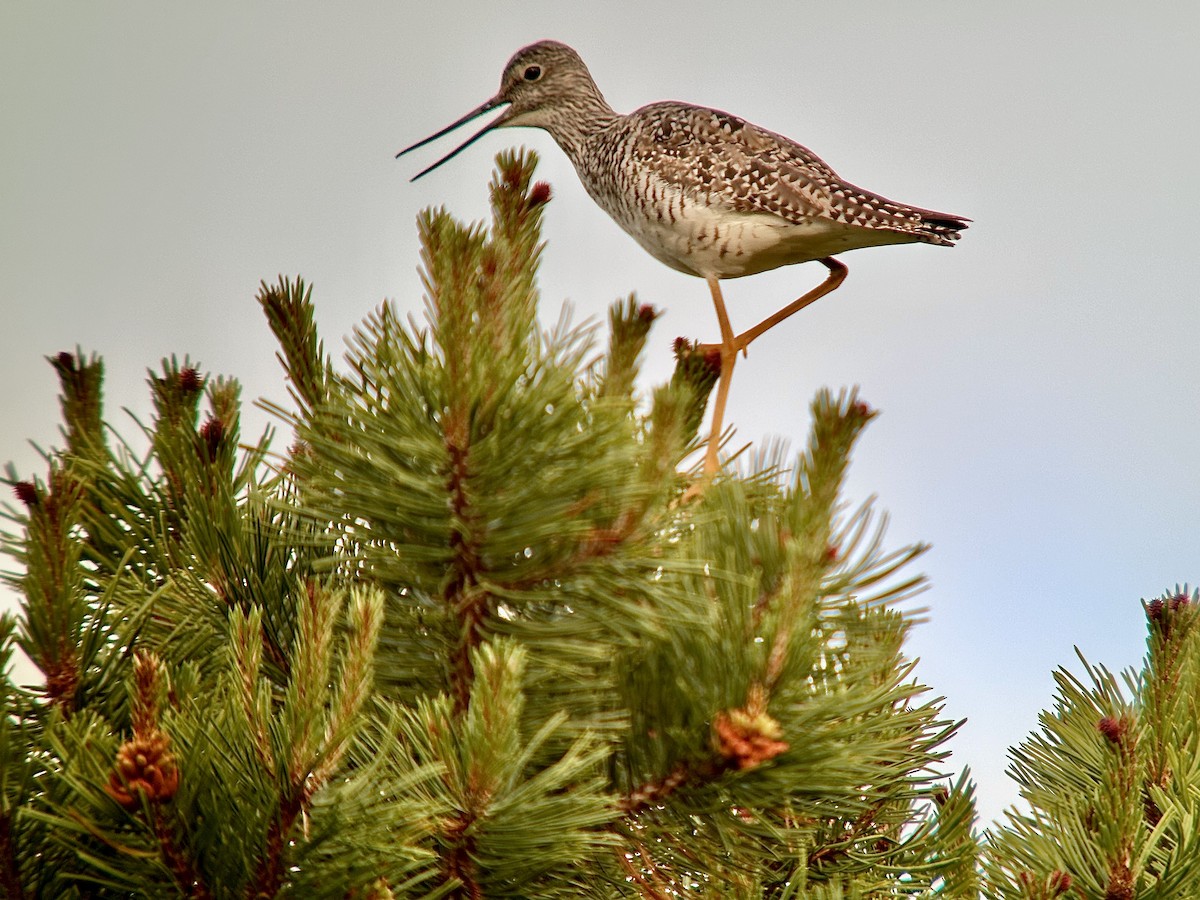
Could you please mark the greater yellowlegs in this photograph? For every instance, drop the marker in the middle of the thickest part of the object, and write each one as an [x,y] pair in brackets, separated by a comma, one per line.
[701,190]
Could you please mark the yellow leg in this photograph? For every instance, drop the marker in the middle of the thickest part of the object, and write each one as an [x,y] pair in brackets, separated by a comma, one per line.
[837,274]
[729,351]
[732,344]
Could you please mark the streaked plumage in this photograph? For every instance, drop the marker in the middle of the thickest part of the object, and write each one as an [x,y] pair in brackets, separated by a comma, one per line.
[703,191]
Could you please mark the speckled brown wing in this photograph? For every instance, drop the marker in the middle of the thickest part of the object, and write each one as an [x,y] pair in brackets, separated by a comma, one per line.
[721,158]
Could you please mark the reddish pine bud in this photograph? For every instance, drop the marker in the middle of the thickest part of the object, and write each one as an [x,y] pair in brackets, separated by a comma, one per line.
[862,410]
[1059,883]
[713,359]
[212,433]
[540,194]
[189,380]
[27,493]
[832,553]
[648,314]
[939,796]
[680,344]
[66,361]
[1160,611]
[1112,728]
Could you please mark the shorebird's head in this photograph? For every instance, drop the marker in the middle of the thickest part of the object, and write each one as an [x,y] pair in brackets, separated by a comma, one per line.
[545,85]
[541,83]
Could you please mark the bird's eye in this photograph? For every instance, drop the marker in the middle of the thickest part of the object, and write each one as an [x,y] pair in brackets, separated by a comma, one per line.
[533,73]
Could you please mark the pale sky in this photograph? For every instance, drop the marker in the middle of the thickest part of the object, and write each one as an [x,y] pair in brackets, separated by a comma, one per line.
[1038,383]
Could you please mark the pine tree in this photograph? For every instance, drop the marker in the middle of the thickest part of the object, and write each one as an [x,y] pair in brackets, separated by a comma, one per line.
[465,637]
[1112,779]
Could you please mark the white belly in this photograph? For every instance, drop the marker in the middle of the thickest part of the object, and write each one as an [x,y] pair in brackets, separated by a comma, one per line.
[705,242]
[692,236]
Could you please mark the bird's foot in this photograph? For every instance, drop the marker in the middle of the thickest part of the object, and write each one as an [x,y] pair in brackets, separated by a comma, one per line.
[718,351]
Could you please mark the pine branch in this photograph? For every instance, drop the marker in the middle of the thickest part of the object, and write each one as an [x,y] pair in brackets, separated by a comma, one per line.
[628,328]
[462,593]
[289,310]
[55,611]
[81,401]
[1113,801]
[696,374]
[465,640]
[187,879]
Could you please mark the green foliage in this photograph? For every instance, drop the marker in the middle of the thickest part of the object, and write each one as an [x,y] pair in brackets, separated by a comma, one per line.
[1113,778]
[469,636]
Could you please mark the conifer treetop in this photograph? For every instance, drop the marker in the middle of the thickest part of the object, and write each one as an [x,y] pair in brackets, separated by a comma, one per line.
[464,637]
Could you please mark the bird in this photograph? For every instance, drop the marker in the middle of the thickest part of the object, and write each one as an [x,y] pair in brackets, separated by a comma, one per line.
[703,191]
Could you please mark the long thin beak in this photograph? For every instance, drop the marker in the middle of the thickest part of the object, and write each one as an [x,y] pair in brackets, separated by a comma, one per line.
[473,114]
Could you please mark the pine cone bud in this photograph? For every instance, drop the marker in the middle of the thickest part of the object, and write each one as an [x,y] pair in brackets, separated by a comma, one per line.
[540,194]
[27,493]
[1112,728]
[212,434]
[1154,609]
[1161,610]
[189,380]
[1058,883]
[746,739]
[144,767]
[647,313]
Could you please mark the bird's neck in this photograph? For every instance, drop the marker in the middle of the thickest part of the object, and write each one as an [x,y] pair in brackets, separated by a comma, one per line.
[578,118]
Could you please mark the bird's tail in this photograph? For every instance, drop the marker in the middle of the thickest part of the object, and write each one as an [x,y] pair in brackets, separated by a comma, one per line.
[939,228]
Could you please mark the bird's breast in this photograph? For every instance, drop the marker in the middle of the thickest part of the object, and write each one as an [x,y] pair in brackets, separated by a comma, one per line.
[700,234]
